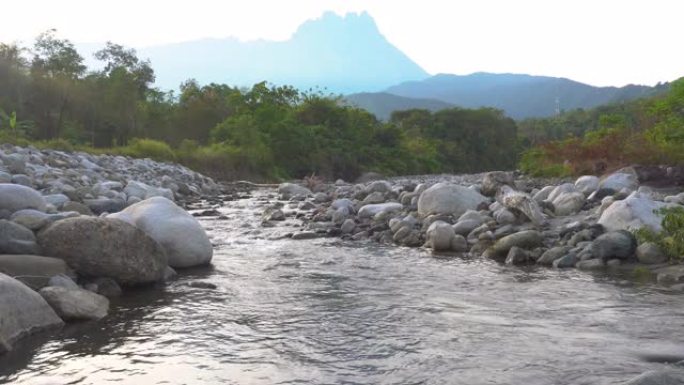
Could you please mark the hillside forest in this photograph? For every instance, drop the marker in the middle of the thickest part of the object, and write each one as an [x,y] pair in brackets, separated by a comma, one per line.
[49,98]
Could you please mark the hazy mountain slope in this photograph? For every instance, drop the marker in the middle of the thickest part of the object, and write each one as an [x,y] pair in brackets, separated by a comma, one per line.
[520,96]
[382,104]
[343,54]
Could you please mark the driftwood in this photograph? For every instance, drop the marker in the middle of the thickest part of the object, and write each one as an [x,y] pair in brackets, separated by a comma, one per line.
[252,184]
[517,201]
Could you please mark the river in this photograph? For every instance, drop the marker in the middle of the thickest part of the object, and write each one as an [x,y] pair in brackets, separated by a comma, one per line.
[326,311]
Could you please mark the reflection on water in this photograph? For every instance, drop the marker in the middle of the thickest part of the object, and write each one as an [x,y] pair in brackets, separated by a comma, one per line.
[329,312]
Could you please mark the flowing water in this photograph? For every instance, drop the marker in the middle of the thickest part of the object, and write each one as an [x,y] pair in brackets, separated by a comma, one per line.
[326,311]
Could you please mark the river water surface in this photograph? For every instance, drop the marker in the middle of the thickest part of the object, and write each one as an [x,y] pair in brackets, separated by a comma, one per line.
[326,311]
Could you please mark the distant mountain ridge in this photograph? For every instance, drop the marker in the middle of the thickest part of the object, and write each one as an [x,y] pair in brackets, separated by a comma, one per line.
[382,104]
[341,54]
[519,95]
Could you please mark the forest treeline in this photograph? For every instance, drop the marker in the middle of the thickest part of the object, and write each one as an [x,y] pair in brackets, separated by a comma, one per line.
[647,131]
[49,98]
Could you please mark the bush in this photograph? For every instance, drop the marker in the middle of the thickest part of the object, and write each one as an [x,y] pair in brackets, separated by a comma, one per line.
[671,238]
[147,148]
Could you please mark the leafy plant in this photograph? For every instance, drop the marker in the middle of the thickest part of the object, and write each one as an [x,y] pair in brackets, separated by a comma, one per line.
[671,238]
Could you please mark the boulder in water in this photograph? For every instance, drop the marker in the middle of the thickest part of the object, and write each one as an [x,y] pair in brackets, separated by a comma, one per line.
[75,304]
[105,247]
[180,235]
[23,312]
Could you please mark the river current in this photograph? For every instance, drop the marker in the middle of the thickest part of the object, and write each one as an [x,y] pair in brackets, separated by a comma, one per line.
[327,311]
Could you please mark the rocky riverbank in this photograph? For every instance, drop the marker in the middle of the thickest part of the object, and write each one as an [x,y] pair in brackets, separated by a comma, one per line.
[77,229]
[586,223]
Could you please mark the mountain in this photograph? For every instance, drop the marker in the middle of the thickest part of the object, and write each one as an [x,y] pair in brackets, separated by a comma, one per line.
[382,104]
[520,96]
[342,54]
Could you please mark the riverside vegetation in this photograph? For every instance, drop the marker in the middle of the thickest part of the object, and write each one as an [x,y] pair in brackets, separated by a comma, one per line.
[82,218]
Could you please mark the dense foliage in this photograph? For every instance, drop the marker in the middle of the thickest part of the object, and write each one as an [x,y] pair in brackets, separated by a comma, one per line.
[671,238]
[48,97]
[647,131]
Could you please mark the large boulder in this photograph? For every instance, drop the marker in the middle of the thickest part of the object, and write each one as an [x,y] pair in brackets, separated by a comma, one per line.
[23,312]
[449,199]
[527,239]
[75,304]
[619,244]
[14,197]
[587,184]
[619,181]
[105,247]
[16,239]
[32,270]
[634,212]
[179,233]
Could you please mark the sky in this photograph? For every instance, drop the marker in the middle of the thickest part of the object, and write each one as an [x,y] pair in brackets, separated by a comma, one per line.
[599,42]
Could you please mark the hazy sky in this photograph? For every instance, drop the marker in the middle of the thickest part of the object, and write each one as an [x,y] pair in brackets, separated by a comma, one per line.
[601,42]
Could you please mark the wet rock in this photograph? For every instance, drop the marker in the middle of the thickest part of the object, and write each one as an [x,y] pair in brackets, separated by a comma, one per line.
[180,235]
[615,244]
[15,197]
[459,243]
[202,285]
[107,287]
[75,304]
[517,256]
[34,271]
[24,312]
[671,275]
[659,377]
[16,239]
[552,254]
[566,261]
[528,239]
[305,235]
[439,236]
[591,264]
[449,199]
[348,226]
[105,247]
[649,253]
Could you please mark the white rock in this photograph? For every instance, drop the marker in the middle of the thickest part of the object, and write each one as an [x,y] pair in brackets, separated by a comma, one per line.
[543,194]
[369,211]
[450,199]
[439,236]
[632,213]
[619,181]
[587,184]
[180,235]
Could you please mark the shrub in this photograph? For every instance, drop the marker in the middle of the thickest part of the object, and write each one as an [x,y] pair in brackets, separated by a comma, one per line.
[147,148]
[671,238]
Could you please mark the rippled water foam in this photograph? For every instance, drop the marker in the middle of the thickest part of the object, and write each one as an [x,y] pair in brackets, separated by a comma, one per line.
[329,312]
